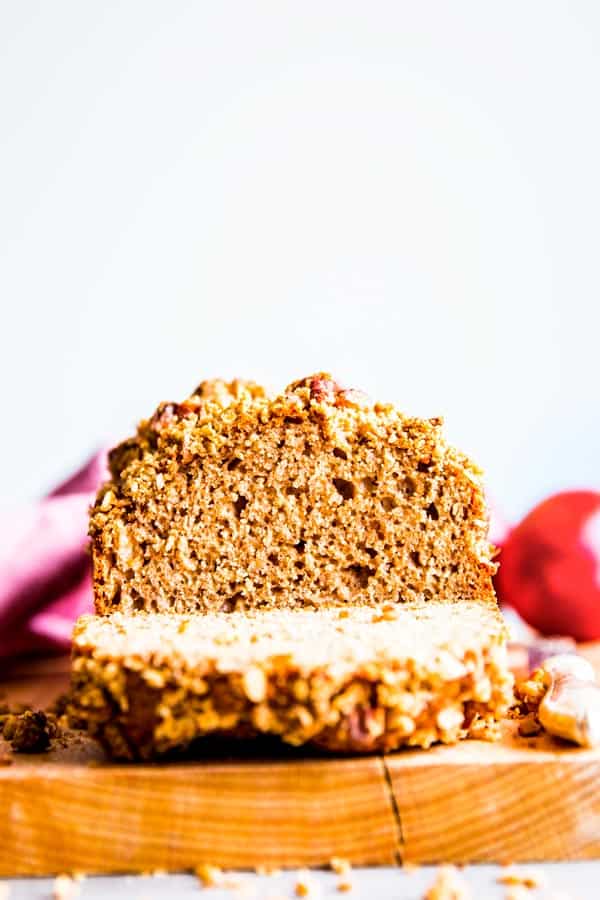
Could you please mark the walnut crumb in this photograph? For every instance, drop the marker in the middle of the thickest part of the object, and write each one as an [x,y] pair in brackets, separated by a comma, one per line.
[210,876]
[304,885]
[344,885]
[65,888]
[526,878]
[448,885]
[339,866]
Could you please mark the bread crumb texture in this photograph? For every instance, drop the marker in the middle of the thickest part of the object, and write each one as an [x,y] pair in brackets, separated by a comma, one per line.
[233,500]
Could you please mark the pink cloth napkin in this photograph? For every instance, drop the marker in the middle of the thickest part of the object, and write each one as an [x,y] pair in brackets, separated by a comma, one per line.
[45,579]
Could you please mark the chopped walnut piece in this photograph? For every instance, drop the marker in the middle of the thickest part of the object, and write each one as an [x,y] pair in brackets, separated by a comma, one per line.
[527,878]
[339,866]
[304,885]
[531,691]
[485,730]
[448,885]
[210,876]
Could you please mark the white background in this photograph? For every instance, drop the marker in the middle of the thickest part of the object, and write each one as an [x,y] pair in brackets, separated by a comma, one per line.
[404,193]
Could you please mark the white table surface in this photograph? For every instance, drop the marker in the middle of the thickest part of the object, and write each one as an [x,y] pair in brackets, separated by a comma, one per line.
[563,881]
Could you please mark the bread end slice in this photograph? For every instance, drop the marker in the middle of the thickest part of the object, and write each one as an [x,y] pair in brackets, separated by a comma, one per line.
[347,679]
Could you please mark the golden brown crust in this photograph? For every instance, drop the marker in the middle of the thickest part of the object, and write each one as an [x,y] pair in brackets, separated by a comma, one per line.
[233,500]
[347,680]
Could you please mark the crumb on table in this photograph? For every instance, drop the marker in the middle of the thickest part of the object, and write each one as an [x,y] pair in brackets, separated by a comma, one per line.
[526,878]
[304,886]
[65,888]
[448,885]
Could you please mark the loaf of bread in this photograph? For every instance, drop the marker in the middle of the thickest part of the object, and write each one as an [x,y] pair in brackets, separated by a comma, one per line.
[317,497]
[351,678]
[311,566]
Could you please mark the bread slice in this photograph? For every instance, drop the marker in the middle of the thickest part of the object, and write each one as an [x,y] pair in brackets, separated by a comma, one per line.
[348,679]
[232,500]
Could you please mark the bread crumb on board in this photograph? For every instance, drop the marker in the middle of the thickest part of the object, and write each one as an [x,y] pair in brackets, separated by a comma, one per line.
[213,876]
[210,876]
[448,885]
[339,865]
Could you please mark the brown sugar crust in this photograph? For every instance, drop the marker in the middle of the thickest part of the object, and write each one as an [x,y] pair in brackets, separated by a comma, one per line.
[354,679]
[232,500]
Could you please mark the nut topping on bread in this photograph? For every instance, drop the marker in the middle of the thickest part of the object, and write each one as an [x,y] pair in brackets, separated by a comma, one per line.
[312,566]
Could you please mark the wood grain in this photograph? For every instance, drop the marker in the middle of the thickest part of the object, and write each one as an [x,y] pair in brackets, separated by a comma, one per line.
[516,800]
[64,813]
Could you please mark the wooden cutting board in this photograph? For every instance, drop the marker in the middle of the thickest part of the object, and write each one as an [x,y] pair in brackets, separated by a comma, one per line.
[71,810]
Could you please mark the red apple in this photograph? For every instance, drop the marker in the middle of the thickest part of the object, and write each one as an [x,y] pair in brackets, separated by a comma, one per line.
[550,566]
